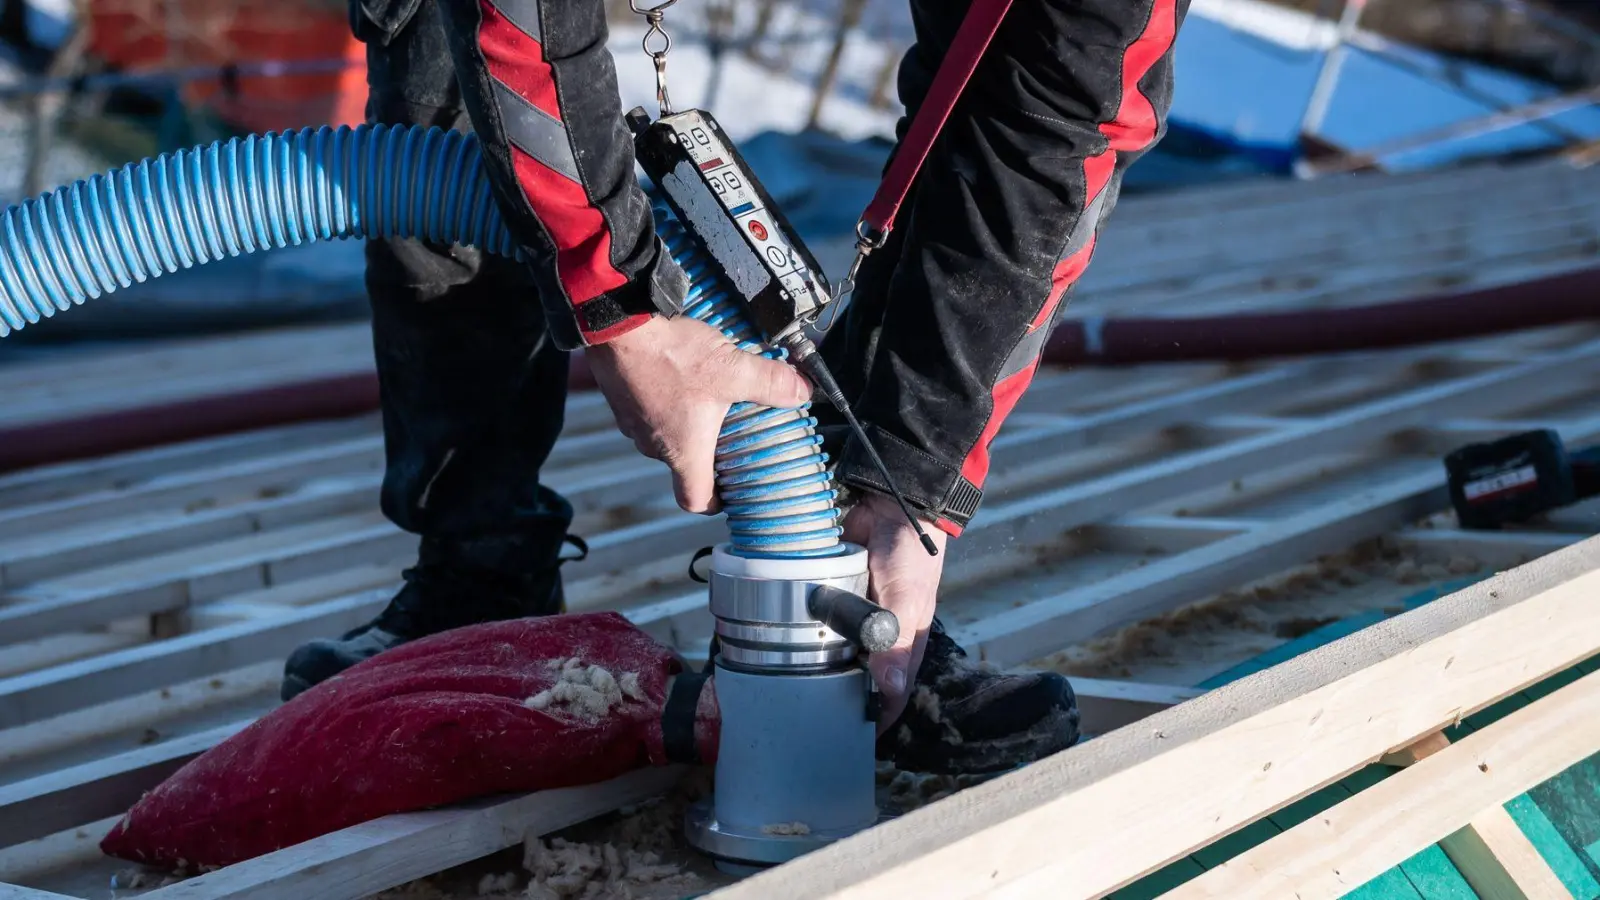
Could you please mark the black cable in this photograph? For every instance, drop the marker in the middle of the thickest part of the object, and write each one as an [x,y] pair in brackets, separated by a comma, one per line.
[803,353]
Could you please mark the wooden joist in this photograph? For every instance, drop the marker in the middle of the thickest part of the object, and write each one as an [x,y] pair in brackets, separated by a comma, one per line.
[367,858]
[1453,796]
[1499,861]
[1101,815]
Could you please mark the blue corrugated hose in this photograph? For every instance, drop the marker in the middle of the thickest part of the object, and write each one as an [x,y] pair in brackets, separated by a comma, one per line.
[190,207]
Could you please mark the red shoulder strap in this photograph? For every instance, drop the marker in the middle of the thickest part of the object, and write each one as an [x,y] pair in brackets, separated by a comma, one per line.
[977,30]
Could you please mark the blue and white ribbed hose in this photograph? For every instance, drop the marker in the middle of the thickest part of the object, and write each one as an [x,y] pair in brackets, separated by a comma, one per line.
[191,207]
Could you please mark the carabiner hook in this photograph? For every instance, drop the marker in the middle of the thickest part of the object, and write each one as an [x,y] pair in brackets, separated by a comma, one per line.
[654,16]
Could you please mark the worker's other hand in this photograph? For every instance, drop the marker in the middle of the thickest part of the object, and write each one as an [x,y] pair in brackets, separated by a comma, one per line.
[670,382]
[904,579]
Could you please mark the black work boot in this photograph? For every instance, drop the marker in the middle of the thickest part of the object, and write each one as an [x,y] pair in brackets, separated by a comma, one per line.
[448,588]
[967,720]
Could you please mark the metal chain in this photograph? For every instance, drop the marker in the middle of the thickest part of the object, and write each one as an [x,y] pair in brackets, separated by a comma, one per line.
[654,15]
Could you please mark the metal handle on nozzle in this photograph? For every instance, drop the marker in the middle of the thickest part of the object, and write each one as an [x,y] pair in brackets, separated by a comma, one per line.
[859,620]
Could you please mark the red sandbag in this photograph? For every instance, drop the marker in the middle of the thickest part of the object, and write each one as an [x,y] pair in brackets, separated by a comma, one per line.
[495,708]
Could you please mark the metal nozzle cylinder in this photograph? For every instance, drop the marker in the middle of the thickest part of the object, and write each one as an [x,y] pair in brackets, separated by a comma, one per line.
[764,616]
[795,763]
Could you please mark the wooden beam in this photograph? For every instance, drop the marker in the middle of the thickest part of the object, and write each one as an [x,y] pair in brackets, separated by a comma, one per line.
[1105,705]
[1414,753]
[110,541]
[1499,861]
[1441,798]
[193,576]
[18,892]
[94,790]
[1491,547]
[1492,853]
[236,478]
[40,695]
[364,859]
[1039,628]
[1132,488]
[53,483]
[1097,817]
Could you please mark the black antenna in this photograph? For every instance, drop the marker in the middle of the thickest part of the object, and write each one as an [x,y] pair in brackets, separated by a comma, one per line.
[803,353]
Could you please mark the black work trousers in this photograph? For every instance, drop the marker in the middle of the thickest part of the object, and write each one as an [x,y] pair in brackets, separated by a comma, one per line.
[473,386]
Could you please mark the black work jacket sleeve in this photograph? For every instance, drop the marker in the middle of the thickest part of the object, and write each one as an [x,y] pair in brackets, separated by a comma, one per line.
[541,90]
[945,329]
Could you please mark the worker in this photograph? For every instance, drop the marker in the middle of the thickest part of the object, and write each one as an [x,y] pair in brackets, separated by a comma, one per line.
[940,340]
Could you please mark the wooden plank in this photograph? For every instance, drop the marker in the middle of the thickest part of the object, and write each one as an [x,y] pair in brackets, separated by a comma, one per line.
[1451,239]
[1039,628]
[364,859]
[1138,486]
[174,581]
[31,655]
[217,365]
[1012,637]
[1439,797]
[1106,705]
[125,470]
[105,787]
[107,542]
[1489,546]
[1514,259]
[1499,861]
[237,479]
[39,695]
[1417,752]
[1061,827]
[17,892]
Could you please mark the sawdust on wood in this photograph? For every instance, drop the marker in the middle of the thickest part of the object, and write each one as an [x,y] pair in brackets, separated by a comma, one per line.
[144,878]
[585,692]
[1197,641]
[637,854]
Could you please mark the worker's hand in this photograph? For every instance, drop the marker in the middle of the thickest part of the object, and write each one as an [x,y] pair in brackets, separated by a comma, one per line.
[904,579]
[670,383]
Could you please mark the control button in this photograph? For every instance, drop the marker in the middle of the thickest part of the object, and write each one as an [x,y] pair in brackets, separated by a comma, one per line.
[757,229]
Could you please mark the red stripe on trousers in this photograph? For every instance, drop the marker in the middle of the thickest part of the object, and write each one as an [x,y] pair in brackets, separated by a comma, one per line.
[1133,128]
[975,468]
[1066,274]
[583,242]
